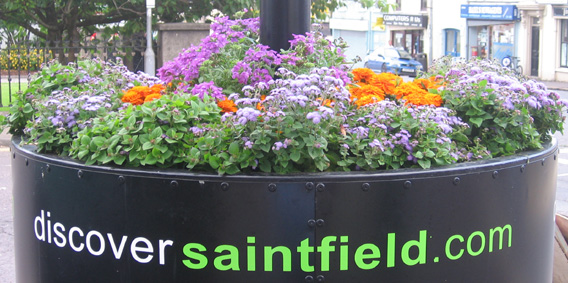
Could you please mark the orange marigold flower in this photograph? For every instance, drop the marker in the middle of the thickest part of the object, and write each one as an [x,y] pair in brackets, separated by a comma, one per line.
[139,94]
[325,102]
[425,98]
[157,88]
[133,97]
[259,105]
[362,75]
[366,100]
[151,97]
[355,92]
[371,90]
[368,94]
[430,83]
[227,106]
[434,99]
[424,84]
[406,89]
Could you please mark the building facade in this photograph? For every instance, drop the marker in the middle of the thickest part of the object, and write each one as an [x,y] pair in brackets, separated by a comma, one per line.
[534,31]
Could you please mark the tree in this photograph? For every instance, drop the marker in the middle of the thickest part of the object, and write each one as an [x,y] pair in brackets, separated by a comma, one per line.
[321,9]
[71,20]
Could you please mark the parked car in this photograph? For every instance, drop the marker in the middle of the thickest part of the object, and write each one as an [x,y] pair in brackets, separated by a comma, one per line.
[392,60]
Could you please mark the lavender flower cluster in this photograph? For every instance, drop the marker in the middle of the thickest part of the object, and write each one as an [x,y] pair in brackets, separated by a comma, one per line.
[506,113]
[79,93]
[231,62]
[185,67]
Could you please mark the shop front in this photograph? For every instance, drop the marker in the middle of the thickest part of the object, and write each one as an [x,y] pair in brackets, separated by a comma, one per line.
[561,16]
[491,30]
[407,31]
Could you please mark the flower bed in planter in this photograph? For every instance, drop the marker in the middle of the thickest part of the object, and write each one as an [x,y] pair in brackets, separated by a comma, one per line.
[299,169]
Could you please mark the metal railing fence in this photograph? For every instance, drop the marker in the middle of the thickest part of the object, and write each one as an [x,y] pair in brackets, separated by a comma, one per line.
[19,60]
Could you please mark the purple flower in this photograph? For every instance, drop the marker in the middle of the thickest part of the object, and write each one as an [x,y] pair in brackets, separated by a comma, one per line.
[197,131]
[208,88]
[247,114]
[376,143]
[314,116]
[279,145]
[533,102]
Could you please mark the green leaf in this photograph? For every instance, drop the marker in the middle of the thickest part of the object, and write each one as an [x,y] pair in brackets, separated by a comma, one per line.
[27,108]
[150,159]
[214,162]
[82,153]
[265,166]
[295,156]
[425,164]
[119,159]
[98,141]
[476,121]
[234,148]
[156,133]
[147,145]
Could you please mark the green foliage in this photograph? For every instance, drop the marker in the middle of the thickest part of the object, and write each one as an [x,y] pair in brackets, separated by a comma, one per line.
[62,99]
[507,113]
[164,132]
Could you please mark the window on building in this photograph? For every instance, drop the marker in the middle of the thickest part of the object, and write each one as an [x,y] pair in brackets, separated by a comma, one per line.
[423,5]
[564,44]
[398,5]
[452,42]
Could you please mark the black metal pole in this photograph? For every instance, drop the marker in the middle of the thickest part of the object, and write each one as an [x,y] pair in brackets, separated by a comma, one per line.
[280,19]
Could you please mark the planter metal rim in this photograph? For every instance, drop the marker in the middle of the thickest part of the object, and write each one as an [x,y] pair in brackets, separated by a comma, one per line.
[520,159]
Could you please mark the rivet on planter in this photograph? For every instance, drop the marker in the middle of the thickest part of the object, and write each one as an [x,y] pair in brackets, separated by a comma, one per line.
[272,187]
[407,184]
[174,184]
[27,162]
[80,174]
[320,278]
[495,174]
[309,278]
[320,187]
[457,181]
[543,161]
[225,186]
[311,223]
[121,180]
[320,222]
[523,168]
[14,155]
[365,187]
[47,168]
[309,186]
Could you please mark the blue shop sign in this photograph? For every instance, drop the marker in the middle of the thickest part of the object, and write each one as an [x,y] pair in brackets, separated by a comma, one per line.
[490,12]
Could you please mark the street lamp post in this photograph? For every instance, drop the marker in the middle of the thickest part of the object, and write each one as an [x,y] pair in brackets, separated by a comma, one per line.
[149,56]
[279,20]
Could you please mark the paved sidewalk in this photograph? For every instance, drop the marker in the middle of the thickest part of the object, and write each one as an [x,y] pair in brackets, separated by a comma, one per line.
[554,85]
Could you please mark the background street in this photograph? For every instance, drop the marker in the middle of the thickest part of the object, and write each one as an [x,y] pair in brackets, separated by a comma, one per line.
[7,272]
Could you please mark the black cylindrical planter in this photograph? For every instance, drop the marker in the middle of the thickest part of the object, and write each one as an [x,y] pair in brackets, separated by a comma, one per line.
[489,221]
[279,20]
